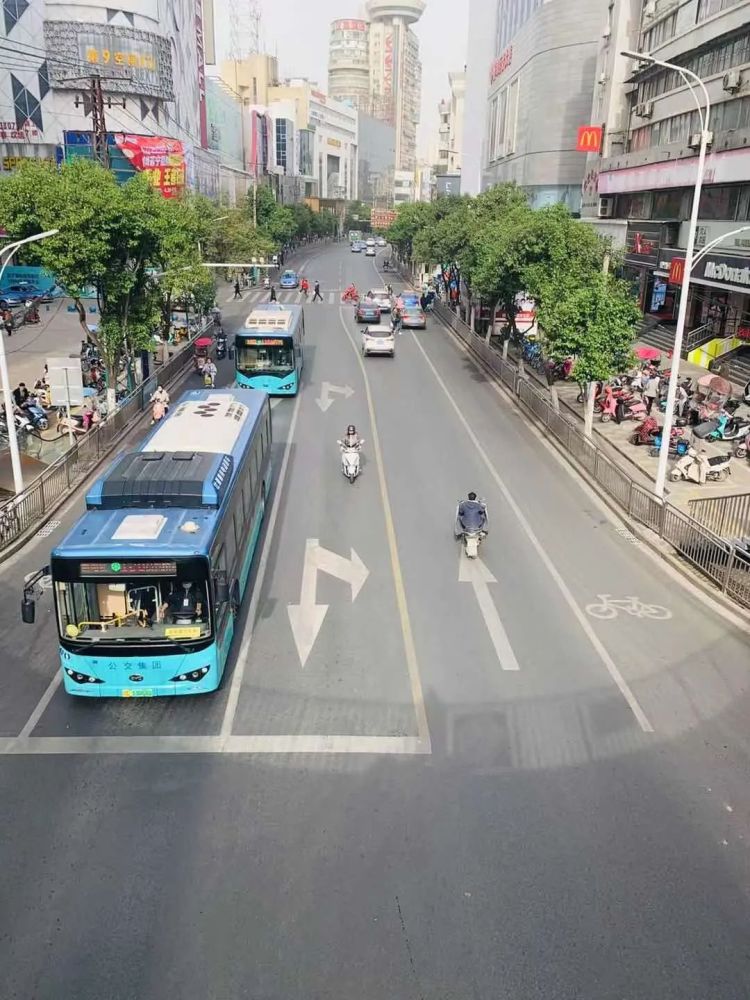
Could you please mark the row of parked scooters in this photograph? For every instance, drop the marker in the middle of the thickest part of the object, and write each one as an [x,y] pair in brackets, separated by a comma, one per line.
[703,405]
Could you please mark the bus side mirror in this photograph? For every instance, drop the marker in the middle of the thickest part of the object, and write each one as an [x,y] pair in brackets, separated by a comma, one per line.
[28,610]
[221,590]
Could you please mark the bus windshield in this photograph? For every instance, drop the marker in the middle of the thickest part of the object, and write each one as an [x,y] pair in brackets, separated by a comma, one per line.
[265,359]
[138,602]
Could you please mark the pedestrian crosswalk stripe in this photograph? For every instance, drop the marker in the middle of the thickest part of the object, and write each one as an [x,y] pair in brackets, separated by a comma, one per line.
[331,298]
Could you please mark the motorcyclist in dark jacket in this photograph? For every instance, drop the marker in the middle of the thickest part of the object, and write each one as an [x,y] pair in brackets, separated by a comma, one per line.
[471,516]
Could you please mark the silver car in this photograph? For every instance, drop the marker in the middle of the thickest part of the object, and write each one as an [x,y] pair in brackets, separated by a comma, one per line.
[382,297]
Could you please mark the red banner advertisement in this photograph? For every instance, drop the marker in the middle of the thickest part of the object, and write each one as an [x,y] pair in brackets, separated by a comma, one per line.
[162,160]
[382,218]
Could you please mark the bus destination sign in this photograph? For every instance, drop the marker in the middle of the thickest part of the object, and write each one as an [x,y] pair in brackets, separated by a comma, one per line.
[128,568]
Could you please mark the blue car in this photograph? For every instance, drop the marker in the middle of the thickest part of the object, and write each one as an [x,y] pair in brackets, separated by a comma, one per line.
[289,279]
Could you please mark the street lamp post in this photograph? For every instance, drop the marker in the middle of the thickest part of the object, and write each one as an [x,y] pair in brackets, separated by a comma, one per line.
[15,456]
[704,115]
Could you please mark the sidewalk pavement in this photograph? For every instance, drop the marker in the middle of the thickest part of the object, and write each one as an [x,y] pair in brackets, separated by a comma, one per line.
[616,438]
[57,335]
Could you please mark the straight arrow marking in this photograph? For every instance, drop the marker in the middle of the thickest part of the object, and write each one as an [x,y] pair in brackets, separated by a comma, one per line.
[474,571]
[327,388]
[307,617]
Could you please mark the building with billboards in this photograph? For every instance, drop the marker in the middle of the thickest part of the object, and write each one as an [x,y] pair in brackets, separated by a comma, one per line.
[153,79]
[639,184]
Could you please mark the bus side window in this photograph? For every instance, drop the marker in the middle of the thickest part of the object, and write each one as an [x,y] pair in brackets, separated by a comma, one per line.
[230,543]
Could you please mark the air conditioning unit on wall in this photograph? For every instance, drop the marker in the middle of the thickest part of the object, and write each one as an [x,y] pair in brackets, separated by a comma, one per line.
[606,207]
[644,110]
[732,81]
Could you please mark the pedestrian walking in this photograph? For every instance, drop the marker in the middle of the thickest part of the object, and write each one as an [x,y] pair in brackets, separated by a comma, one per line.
[273,294]
[396,320]
[317,294]
[8,322]
[651,392]
[237,290]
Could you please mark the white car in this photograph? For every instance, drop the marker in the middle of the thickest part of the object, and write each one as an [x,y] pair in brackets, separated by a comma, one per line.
[371,242]
[378,339]
[371,252]
[381,242]
[383,299]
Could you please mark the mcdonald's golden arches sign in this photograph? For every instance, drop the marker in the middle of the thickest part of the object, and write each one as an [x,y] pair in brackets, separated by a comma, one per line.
[589,139]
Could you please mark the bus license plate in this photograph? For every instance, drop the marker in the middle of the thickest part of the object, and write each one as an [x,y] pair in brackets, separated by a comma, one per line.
[137,693]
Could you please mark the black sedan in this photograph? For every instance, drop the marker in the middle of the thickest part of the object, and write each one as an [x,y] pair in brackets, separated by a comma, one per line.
[367,311]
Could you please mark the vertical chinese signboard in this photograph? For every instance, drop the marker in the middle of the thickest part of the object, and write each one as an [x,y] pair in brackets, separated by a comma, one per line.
[203,117]
[162,160]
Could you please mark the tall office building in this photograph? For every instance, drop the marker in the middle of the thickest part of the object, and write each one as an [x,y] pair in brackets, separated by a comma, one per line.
[538,91]
[375,65]
[349,63]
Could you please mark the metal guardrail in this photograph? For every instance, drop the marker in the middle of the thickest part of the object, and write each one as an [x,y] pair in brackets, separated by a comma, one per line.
[697,543]
[723,515]
[30,509]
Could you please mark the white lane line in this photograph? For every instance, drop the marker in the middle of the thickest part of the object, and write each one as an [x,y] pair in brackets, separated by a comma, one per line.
[331,298]
[41,707]
[570,600]
[403,609]
[307,744]
[244,654]
[474,571]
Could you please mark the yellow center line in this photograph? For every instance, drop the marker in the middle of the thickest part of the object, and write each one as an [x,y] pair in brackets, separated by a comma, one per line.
[398,580]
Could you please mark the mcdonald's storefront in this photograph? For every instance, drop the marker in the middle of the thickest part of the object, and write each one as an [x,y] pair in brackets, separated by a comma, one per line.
[719,291]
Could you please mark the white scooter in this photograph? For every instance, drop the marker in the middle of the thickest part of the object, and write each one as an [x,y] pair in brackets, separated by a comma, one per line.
[698,467]
[350,459]
[472,538]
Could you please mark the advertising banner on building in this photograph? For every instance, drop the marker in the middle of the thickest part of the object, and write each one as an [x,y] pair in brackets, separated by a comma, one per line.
[448,185]
[162,160]
[133,61]
[382,218]
[201,67]
[642,243]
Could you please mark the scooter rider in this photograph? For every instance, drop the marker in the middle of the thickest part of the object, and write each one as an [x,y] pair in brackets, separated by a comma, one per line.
[471,516]
[351,438]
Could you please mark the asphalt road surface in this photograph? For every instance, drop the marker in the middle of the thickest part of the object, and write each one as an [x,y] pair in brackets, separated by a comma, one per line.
[421,779]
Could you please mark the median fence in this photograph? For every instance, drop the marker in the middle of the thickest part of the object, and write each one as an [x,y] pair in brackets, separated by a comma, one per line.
[30,509]
[695,542]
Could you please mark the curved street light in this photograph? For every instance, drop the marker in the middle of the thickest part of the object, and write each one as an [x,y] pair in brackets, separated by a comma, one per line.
[15,456]
[694,82]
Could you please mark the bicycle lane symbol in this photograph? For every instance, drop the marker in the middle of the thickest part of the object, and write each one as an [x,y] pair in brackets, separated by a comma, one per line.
[608,607]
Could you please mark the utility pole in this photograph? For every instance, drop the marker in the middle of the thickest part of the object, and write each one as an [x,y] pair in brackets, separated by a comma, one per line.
[98,124]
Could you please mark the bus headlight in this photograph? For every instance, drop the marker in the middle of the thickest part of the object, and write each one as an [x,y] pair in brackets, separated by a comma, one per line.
[192,676]
[289,385]
[79,678]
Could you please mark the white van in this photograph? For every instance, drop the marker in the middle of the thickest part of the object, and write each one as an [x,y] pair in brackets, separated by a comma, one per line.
[378,338]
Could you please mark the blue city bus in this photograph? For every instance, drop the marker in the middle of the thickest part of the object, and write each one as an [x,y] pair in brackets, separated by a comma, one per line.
[148,583]
[269,351]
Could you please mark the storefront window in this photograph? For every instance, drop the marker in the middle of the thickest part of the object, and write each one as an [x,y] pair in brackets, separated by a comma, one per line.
[668,205]
[719,202]
[633,206]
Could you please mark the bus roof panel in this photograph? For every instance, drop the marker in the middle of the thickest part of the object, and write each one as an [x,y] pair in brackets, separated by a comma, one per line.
[212,424]
[109,533]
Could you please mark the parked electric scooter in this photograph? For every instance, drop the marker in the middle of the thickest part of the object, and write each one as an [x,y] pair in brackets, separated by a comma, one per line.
[697,467]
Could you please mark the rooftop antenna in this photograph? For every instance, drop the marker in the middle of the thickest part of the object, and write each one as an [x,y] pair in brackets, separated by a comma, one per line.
[245,39]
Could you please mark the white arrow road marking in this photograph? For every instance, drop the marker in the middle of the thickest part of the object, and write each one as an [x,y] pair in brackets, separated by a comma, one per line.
[327,389]
[474,571]
[306,618]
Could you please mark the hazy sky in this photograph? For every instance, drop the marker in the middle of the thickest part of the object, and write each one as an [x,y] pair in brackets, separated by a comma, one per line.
[298,30]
